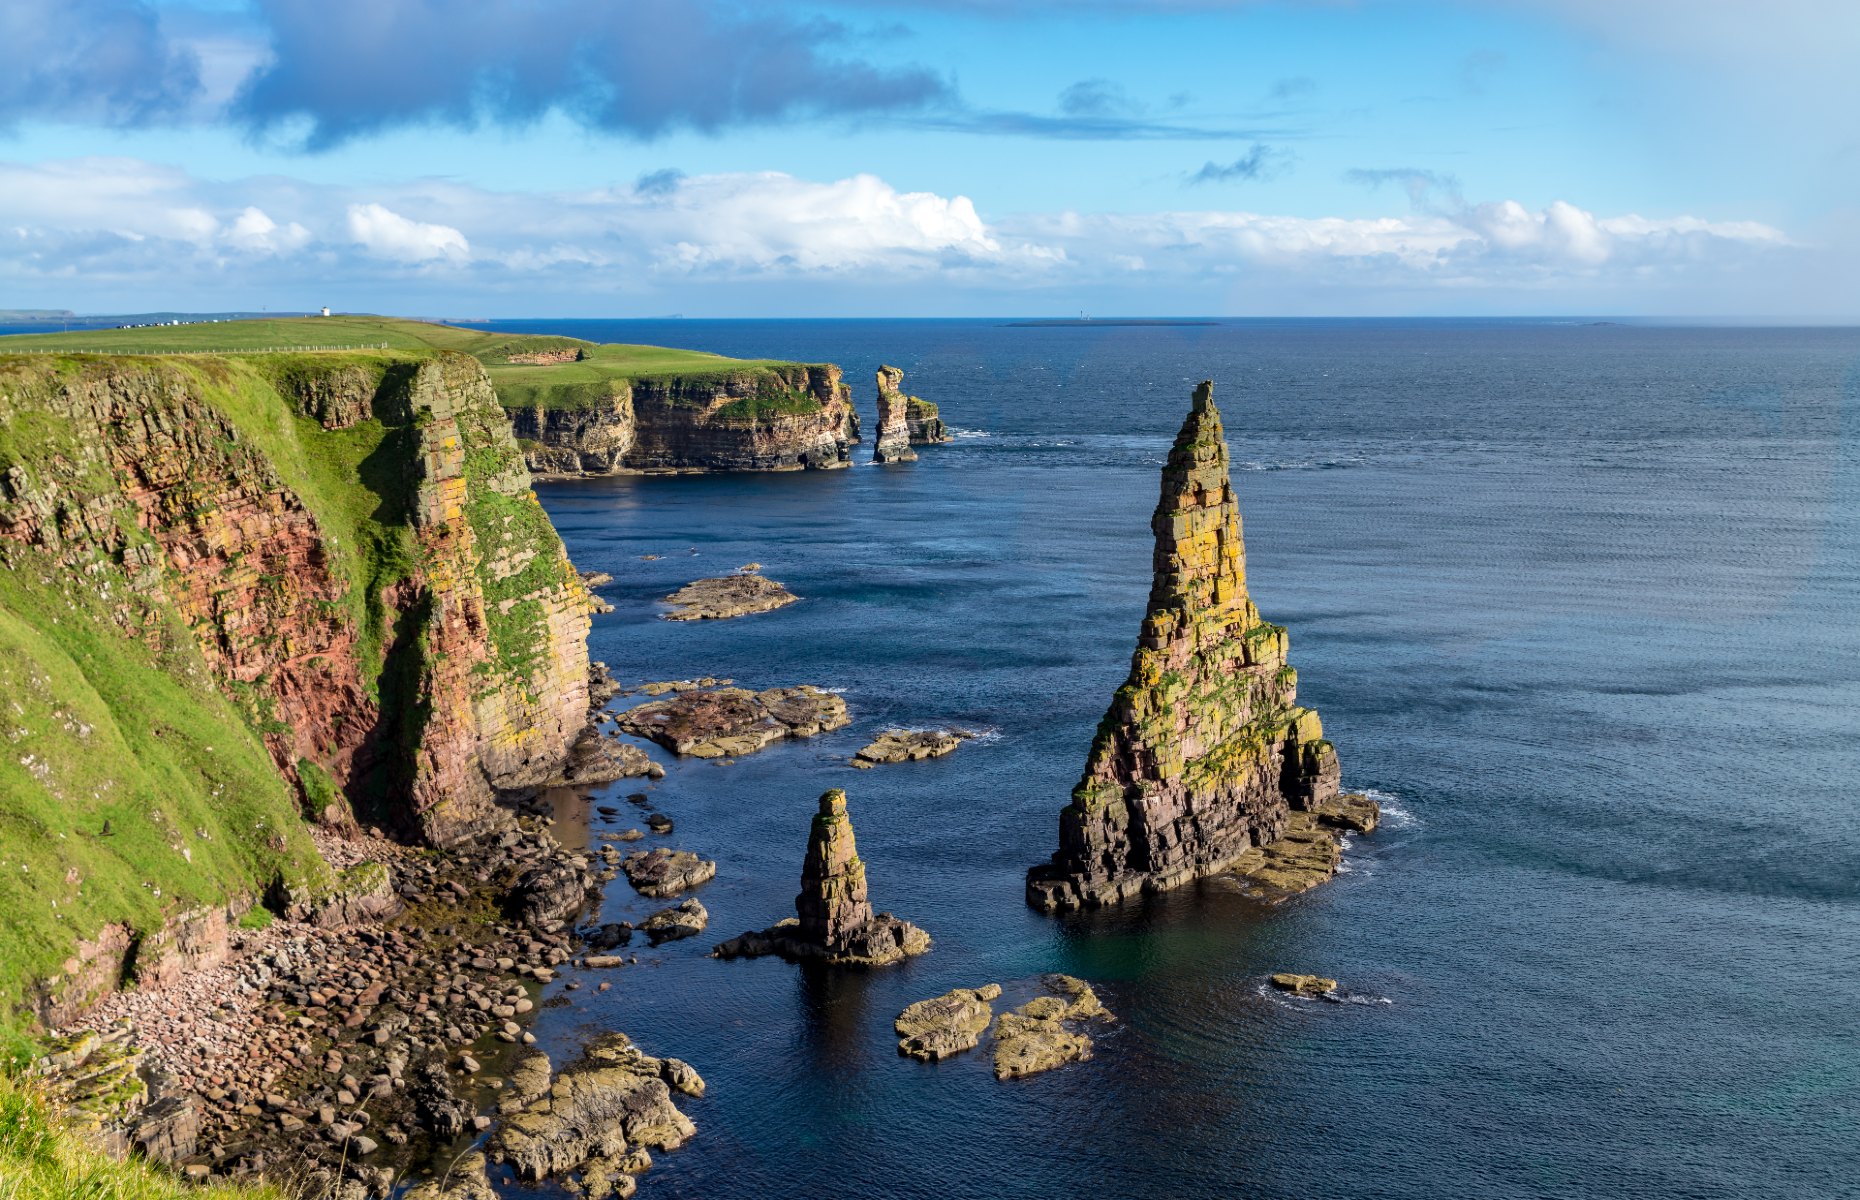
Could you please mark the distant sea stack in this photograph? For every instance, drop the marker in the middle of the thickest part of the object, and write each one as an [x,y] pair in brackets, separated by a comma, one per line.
[836,923]
[1204,752]
[893,440]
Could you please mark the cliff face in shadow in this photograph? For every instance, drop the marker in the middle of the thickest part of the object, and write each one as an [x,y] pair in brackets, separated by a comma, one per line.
[783,417]
[242,591]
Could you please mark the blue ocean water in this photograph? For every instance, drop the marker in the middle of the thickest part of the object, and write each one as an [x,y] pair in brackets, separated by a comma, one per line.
[1577,602]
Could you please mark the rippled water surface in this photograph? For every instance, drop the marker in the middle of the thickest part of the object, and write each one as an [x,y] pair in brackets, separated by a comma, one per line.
[1579,602]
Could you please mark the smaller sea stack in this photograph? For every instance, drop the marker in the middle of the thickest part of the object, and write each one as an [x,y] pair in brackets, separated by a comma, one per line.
[835,921]
[893,440]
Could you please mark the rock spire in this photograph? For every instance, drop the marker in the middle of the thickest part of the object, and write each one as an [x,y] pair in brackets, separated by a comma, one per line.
[892,442]
[1204,752]
[835,919]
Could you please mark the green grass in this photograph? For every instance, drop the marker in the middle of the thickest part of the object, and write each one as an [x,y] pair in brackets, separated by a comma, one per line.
[43,1158]
[563,385]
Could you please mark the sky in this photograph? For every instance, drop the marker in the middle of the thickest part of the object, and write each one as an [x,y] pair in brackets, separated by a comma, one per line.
[508,158]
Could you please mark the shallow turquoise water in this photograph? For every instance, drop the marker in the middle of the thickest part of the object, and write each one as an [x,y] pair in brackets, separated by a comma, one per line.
[1579,602]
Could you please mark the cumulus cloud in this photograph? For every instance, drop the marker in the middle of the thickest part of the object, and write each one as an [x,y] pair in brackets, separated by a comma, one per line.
[91,60]
[119,221]
[343,68]
[385,233]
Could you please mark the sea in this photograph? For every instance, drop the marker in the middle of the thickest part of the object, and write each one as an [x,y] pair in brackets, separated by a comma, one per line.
[1579,604]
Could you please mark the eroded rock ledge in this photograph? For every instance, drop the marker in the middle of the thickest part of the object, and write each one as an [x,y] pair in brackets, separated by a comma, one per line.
[1205,755]
[835,923]
[727,596]
[727,721]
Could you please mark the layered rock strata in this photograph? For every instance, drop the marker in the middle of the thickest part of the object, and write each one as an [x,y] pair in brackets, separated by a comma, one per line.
[728,721]
[835,922]
[779,418]
[239,590]
[599,1113]
[910,745]
[924,422]
[727,596]
[892,441]
[1205,753]
[1048,1031]
[935,1029]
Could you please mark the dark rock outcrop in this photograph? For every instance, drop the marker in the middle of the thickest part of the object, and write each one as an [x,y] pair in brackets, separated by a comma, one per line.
[1204,754]
[783,417]
[835,921]
[892,440]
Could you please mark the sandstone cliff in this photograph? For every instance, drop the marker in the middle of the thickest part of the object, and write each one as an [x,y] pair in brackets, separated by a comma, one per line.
[1204,752]
[778,417]
[239,591]
[892,441]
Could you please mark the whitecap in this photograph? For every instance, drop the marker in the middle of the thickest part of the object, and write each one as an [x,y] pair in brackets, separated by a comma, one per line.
[1395,812]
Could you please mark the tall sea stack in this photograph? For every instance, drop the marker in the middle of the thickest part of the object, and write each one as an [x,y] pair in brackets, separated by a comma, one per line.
[893,441]
[1204,752]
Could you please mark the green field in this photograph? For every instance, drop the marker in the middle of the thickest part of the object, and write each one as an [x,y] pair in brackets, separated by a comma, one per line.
[562,385]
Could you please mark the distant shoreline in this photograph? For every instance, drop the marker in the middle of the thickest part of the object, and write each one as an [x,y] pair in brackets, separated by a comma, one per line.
[1068,322]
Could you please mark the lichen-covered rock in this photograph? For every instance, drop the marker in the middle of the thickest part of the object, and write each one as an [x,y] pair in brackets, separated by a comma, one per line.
[662,872]
[1303,856]
[1303,985]
[727,722]
[926,425]
[948,1024]
[727,596]
[462,1179]
[892,440]
[910,745]
[1044,1033]
[1204,753]
[610,1100]
[835,922]
[781,417]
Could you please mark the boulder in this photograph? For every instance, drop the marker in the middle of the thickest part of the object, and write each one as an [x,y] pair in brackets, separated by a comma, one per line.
[680,921]
[662,872]
[1303,985]
[610,1100]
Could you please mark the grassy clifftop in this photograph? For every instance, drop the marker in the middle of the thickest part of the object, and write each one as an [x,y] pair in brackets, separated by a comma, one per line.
[229,586]
[578,383]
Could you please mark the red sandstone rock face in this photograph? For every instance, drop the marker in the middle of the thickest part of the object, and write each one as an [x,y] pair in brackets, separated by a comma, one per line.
[1204,751]
[892,442]
[245,562]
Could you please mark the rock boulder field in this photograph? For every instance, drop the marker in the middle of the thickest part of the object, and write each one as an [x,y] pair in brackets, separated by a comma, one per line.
[1205,754]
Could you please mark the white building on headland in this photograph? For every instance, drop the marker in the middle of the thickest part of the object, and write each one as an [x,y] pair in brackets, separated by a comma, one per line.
[326,310]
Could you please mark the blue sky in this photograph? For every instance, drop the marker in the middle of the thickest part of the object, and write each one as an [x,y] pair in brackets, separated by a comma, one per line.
[942,157]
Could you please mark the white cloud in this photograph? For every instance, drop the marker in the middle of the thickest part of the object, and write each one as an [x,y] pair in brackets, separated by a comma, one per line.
[387,234]
[129,229]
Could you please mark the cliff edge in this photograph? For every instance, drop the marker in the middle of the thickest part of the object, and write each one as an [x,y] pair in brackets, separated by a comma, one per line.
[1204,752]
[242,591]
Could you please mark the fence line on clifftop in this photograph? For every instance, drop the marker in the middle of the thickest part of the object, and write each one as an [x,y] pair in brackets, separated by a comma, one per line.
[240,350]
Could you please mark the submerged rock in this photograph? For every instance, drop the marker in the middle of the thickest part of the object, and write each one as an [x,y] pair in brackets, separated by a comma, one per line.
[892,442]
[662,872]
[948,1024]
[910,745]
[727,596]
[1204,754]
[835,922]
[725,722]
[1303,985]
[1043,1033]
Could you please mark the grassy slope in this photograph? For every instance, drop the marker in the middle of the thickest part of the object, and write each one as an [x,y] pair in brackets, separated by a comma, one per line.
[102,727]
[564,385]
[42,1159]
